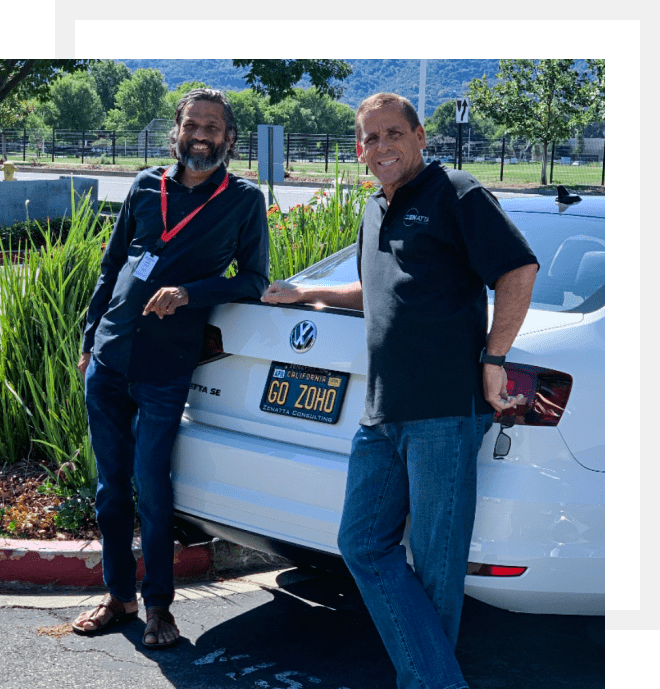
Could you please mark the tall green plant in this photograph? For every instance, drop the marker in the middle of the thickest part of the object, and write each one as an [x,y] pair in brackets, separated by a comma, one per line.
[43,300]
[310,233]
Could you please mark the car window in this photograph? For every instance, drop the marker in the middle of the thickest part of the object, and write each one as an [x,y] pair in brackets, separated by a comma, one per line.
[570,249]
[571,254]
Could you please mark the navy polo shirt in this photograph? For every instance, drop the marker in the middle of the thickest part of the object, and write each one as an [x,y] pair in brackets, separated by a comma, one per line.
[232,226]
[424,263]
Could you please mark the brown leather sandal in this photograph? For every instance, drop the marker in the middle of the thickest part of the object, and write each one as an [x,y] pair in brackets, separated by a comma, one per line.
[156,615]
[113,605]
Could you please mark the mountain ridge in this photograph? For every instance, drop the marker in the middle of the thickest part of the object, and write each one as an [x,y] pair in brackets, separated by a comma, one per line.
[445,79]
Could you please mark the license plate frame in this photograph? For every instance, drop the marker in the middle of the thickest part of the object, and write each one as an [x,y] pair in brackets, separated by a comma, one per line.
[304,392]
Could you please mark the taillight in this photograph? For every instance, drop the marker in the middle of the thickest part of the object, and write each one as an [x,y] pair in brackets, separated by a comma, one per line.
[213,348]
[481,570]
[545,390]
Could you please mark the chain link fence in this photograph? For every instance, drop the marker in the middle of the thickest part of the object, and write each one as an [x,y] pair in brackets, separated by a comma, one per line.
[572,162]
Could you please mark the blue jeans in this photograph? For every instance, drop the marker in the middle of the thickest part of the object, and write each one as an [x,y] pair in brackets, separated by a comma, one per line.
[427,468]
[133,426]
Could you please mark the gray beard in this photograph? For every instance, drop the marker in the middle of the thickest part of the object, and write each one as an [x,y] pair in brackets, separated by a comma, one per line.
[200,162]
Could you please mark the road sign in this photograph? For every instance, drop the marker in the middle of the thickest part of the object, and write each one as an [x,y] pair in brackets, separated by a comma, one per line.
[462,110]
[270,149]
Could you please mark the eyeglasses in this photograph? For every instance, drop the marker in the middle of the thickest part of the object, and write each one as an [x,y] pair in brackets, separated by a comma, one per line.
[503,441]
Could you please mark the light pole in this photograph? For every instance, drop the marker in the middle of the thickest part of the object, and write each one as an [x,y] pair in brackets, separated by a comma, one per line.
[421,103]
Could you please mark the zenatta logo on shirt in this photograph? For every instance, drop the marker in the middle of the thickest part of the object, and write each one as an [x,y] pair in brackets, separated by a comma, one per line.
[412,216]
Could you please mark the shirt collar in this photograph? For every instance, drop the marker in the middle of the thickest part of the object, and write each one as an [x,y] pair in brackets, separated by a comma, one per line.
[216,178]
[416,182]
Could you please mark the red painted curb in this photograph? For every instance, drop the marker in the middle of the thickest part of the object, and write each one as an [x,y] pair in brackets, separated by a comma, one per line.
[78,563]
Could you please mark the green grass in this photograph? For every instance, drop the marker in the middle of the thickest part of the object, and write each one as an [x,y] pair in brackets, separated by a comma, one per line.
[487,173]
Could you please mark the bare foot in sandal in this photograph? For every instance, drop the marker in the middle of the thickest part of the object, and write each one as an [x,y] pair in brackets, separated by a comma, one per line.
[109,611]
[161,630]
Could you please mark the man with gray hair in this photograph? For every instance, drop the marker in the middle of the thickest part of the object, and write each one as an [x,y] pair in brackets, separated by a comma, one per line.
[163,269]
[430,241]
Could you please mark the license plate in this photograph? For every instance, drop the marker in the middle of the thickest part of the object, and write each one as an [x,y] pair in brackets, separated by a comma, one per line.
[304,392]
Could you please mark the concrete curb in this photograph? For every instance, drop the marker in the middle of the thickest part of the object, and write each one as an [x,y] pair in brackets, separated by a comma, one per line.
[78,563]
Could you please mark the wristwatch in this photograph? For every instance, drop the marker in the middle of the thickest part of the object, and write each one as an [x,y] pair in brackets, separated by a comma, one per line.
[487,358]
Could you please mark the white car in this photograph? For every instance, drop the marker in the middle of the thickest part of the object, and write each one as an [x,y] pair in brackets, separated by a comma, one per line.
[263,447]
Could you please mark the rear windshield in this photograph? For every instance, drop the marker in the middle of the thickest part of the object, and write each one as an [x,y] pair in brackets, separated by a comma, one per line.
[570,249]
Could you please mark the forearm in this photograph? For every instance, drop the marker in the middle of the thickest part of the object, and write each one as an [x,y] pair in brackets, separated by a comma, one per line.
[513,295]
[339,296]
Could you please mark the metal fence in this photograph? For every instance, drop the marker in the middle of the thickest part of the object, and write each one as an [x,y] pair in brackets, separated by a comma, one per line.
[578,162]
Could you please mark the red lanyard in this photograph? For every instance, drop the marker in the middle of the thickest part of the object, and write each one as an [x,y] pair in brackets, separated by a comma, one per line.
[166,236]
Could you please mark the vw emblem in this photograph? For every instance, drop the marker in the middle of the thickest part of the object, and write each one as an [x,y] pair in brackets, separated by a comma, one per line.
[303,336]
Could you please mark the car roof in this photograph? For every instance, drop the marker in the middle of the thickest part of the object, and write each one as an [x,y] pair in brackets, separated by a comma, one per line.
[590,206]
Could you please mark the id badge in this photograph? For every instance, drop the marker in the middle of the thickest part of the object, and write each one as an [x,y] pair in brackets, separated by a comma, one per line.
[146,266]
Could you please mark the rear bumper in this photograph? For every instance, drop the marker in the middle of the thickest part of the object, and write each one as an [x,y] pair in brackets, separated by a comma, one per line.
[272,489]
[550,586]
[287,500]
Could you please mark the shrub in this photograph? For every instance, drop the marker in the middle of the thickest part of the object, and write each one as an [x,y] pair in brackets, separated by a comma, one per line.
[43,301]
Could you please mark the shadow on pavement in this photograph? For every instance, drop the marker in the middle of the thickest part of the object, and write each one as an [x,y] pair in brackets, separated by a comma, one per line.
[317,634]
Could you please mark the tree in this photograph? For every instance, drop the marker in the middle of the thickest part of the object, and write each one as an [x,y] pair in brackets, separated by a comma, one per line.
[308,112]
[250,109]
[276,78]
[140,99]
[74,103]
[108,76]
[542,100]
[12,111]
[27,78]
[443,121]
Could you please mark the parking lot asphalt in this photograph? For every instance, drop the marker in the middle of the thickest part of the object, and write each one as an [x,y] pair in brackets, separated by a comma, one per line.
[286,628]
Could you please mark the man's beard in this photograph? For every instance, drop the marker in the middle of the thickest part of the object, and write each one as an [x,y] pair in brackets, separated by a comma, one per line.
[200,162]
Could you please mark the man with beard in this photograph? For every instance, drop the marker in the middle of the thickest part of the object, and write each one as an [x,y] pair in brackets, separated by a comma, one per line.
[163,269]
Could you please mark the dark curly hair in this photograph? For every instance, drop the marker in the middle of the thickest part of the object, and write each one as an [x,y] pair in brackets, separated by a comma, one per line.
[213,96]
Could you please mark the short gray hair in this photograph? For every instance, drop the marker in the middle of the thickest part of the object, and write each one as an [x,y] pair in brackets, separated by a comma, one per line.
[378,100]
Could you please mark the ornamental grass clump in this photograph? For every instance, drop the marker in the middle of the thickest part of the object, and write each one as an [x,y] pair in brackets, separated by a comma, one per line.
[309,233]
[44,293]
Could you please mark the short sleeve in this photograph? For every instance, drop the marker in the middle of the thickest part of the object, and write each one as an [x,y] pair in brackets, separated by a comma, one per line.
[492,243]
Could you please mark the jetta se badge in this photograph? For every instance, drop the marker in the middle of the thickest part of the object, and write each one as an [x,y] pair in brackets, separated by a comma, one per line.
[303,336]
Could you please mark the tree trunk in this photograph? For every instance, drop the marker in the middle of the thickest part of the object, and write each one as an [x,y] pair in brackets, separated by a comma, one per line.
[544,163]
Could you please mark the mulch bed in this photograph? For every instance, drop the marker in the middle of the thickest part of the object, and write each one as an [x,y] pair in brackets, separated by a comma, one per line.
[26,513]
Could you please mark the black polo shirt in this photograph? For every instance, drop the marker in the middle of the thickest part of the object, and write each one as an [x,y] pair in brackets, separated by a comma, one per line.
[232,225]
[424,263]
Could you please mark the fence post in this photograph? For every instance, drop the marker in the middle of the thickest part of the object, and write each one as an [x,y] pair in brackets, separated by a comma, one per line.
[24,142]
[327,150]
[146,145]
[82,151]
[114,145]
[460,145]
[552,161]
[502,158]
[288,143]
[603,180]
[250,152]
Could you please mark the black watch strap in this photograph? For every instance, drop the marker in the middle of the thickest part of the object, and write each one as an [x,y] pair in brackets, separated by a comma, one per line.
[487,358]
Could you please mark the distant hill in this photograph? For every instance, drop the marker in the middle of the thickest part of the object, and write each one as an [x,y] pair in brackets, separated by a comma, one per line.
[445,79]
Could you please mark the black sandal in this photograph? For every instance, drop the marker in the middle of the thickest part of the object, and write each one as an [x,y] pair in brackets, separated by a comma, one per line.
[115,606]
